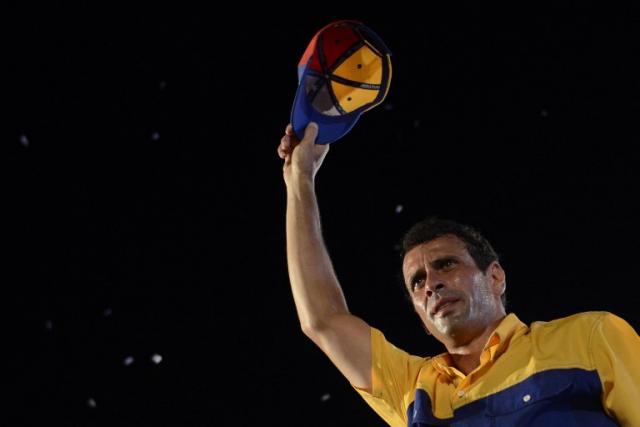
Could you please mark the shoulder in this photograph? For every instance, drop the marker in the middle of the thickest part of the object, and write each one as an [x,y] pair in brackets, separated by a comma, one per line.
[582,325]
[574,329]
[608,325]
[578,321]
[565,342]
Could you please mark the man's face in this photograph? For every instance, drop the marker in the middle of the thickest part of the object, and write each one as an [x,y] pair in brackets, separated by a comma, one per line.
[452,296]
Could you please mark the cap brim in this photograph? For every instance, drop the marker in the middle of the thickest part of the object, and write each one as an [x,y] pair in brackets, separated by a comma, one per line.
[330,128]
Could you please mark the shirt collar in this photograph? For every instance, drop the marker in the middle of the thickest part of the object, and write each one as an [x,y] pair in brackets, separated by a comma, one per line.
[495,346]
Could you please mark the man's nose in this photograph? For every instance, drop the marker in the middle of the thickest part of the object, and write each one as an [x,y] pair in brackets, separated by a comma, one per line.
[434,284]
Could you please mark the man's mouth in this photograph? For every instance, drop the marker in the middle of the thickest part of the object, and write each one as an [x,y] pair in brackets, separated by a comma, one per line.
[443,306]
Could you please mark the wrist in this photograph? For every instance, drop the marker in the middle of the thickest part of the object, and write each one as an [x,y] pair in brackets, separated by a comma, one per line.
[299,183]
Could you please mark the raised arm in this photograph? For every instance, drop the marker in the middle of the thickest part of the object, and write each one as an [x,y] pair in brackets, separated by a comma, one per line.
[320,303]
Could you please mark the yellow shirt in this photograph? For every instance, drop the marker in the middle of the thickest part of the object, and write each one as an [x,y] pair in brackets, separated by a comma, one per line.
[582,370]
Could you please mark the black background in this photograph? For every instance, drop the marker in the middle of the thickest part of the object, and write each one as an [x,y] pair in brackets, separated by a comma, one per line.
[145,205]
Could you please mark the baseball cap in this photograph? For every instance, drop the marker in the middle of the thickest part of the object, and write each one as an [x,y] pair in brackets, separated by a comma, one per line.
[345,71]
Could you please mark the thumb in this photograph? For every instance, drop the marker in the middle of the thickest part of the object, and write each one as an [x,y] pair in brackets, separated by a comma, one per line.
[311,132]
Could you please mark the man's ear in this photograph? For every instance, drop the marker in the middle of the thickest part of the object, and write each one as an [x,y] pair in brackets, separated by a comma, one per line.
[498,278]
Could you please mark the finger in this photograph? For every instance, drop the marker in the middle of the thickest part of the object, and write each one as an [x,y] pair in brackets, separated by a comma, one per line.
[289,130]
[282,153]
[285,142]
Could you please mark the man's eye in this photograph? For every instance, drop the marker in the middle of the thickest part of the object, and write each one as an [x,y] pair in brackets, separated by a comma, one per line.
[418,283]
[448,263]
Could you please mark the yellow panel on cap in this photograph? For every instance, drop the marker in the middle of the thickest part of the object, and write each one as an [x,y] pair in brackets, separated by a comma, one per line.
[351,98]
[370,70]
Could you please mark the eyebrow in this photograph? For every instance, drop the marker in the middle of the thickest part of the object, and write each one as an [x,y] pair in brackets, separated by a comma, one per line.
[437,263]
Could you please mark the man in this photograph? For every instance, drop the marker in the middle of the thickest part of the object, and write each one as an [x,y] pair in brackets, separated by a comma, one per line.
[582,370]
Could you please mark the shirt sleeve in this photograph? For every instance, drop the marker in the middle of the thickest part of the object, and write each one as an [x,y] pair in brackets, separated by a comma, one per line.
[615,349]
[394,375]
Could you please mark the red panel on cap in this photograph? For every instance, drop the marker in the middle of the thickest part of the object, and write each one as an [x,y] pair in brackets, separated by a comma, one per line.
[335,41]
[310,50]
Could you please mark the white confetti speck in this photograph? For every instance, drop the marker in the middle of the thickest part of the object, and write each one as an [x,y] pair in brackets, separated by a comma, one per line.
[544,113]
[156,358]
[91,403]
[388,107]
[48,325]
[163,84]
[24,140]
[325,397]
[399,209]
[128,360]
[416,123]
[155,136]
[107,312]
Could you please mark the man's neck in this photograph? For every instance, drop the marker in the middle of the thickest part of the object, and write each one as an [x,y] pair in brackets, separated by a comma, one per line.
[466,357]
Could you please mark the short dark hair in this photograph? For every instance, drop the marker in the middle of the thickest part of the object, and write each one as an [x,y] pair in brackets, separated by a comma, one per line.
[431,228]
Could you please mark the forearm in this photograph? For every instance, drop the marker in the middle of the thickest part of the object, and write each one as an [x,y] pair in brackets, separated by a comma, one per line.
[316,290]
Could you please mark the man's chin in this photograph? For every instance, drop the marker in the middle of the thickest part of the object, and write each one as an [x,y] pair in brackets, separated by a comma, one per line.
[449,325]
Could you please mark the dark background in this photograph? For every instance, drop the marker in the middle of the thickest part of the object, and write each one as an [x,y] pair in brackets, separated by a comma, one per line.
[144,203]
